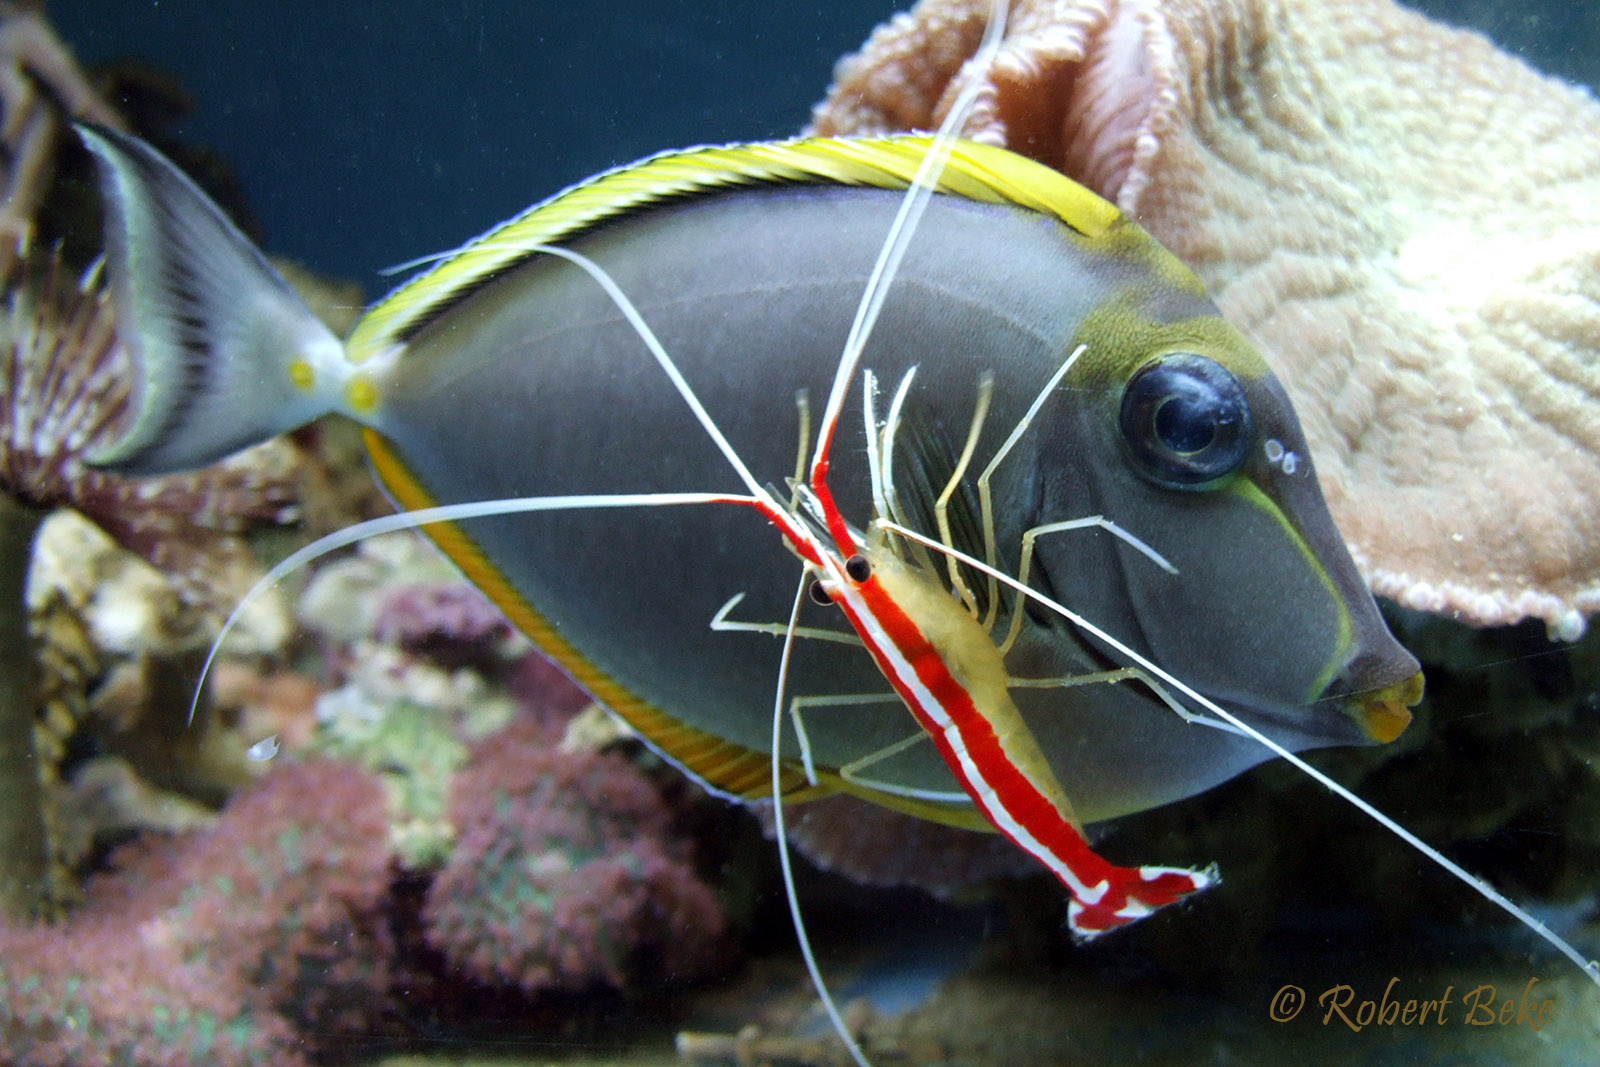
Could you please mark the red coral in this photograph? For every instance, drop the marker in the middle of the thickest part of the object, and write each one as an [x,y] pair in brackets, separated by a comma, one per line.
[226,945]
[567,872]
[98,991]
[544,691]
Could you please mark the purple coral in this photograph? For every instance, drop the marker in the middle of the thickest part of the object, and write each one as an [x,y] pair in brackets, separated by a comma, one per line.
[227,945]
[450,623]
[98,991]
[567,872]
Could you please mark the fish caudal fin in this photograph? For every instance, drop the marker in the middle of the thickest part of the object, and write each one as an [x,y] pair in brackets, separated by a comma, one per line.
[1130,894]
[226,354]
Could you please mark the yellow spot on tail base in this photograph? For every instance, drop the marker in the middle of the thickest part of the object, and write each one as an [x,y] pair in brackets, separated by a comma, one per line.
[361,396]
[302,374]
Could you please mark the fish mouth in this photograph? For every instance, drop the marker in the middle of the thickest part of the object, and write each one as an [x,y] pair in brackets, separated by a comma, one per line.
[1383,714]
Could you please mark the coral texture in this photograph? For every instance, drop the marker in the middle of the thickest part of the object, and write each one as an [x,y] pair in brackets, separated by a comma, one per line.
[1404,218]
[247,942]
[419,663]
[450,623]
[64,382]
[567,872]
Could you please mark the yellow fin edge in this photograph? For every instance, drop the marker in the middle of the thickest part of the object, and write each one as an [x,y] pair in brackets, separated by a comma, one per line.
[723,764]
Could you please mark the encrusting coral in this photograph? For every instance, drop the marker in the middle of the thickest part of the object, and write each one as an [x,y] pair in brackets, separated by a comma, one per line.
[1405,219]
[566,872]
[248,942]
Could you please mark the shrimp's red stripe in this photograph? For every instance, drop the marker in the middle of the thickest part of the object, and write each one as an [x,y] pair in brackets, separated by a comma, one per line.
[1105,896]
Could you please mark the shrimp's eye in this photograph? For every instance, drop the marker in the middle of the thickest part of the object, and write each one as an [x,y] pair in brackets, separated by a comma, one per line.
[857,568]
[1186,420]
[819,595]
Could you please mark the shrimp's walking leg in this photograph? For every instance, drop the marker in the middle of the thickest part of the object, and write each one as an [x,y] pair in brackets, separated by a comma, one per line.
[1090,522]
[797,708]
[986,498]
[722,624]
[1113,677]
[986,506]
[941,507]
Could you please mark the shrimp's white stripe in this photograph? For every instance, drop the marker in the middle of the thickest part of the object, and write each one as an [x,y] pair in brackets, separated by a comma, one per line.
[909,684]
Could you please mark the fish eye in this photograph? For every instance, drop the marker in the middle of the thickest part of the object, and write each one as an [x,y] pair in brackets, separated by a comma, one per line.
[858,569]
[1186,420]
[818,594]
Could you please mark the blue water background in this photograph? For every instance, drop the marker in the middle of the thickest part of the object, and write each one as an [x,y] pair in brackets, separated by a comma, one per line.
[369,132]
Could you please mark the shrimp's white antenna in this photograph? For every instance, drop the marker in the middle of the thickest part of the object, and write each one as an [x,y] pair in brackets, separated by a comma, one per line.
[904,226]
[873,296]
[409,520]
[779,829]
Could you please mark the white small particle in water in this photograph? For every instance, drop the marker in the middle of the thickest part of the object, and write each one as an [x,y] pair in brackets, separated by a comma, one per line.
[262,750]
[1290,463]
[1274,449]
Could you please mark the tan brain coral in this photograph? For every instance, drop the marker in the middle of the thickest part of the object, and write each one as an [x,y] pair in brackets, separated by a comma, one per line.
[1404,218]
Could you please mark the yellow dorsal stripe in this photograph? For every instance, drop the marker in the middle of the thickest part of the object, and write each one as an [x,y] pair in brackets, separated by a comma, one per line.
[975,171]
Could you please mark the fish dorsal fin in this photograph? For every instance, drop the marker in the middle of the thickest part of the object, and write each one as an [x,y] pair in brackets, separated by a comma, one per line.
[975,171]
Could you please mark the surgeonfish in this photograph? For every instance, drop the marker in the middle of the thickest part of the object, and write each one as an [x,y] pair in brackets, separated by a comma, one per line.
[501,371]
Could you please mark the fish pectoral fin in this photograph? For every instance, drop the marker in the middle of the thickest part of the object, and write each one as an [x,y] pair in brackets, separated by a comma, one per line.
[925,458]
[225,352]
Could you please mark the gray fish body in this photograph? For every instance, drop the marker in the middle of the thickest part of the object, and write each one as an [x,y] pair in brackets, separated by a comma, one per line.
[529,382]
[538,387]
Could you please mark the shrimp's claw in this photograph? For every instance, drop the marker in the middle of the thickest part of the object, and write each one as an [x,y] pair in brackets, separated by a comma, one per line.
[1131,893]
